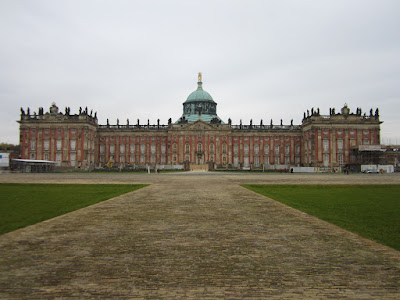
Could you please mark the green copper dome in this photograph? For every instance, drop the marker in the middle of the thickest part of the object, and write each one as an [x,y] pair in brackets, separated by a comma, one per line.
[199,106]
[199,95]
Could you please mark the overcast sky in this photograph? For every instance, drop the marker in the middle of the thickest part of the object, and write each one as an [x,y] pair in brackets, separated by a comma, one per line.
[259,59]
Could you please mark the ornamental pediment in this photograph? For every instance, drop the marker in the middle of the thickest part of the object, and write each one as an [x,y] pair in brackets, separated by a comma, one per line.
[198,125]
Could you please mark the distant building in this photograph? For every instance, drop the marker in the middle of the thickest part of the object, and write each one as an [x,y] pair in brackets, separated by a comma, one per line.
[199,138]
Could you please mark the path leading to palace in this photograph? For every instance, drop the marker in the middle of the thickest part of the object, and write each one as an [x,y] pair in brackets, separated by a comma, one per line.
[194,236]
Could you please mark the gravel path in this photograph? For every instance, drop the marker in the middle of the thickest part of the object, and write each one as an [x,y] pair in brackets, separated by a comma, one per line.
[194,236]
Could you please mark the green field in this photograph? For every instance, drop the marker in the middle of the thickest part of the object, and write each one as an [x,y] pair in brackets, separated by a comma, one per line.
[26,204]
[372,211]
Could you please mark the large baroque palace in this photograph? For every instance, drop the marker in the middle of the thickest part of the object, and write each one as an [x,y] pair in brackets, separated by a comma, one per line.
[198,138]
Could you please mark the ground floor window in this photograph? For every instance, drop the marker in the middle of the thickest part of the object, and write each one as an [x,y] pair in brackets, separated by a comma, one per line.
[326,159]
[58,159]
[340,159]
[73,159]
[256,161]
[246,162]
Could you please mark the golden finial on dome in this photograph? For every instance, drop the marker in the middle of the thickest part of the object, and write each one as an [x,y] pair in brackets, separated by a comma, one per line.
[200,79]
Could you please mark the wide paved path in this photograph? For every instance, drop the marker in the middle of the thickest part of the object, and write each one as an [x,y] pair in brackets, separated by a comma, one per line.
[194,236]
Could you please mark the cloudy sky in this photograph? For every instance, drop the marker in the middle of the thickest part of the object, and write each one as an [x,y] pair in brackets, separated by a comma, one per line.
[259,59]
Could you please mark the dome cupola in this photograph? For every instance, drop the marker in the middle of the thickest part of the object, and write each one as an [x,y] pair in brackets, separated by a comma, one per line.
[199,105]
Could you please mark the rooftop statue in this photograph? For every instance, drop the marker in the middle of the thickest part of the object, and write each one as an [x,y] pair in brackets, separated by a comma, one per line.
[200,79]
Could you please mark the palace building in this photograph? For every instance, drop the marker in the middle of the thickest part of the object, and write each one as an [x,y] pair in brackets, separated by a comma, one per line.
[199,139]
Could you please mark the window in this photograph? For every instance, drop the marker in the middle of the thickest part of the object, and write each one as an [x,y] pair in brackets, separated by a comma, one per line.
[142,159]
[246,149]
[73,158]
[277,160]
[340,145]
[101,148]
[187,148]
[366,141]
[211,148]
[340,159]
[73,145]
[46,156]
[142,148]
[46,145]
[236,161]
[132,148]
[277,150]
[122,148]
[112,149]
[297,160]
[256,149]
[326,160]
[297,149]
[266,149]
[199,147]
[58,145]
[163,149]
[73,131]
[287,149]
[236,149]
[224,148]
[163,159]
[246,162]
[326,145]
[175,147]
[153,149]
[256,161]
[267,160]
[58,157]
[33,145]
[132,158]
[287,160]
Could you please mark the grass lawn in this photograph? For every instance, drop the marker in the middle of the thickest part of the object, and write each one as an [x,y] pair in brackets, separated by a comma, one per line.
[26,204]
[372,211]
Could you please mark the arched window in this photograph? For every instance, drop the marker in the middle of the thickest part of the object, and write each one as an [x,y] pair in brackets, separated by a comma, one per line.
[187,148]
[199,147]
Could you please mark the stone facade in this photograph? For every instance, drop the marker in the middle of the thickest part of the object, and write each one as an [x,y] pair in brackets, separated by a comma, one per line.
[77,140]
